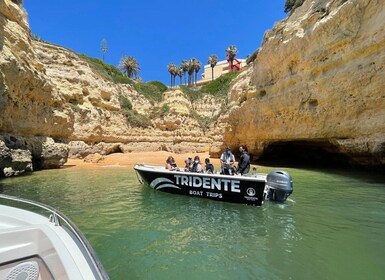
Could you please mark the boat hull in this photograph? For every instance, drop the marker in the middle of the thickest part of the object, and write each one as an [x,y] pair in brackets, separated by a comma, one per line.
[237,189]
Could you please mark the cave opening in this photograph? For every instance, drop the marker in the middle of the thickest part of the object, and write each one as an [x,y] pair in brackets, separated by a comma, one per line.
[303,154]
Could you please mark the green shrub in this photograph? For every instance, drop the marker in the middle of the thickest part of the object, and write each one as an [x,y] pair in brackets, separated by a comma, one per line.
[252,57]
[159,85]
[125,103]
[165,108]
[220,86]
[136,119]
[153,90]
[193,93]
[108,71]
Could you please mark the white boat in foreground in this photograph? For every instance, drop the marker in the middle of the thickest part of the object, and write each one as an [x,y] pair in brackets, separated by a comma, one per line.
[33,246]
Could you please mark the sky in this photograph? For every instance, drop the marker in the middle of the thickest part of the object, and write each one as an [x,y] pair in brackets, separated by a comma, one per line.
[156,33]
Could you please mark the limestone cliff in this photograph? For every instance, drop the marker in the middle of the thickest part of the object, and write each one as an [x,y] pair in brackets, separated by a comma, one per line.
[54,105]
[319,80]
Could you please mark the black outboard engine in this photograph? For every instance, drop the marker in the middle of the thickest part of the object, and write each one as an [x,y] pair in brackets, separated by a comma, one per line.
[279,186]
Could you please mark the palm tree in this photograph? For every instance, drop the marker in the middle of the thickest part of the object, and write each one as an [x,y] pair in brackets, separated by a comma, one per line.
[213,59]
[231,52]
[190,70]
[129,65]
[197,67]
[184,67]
[172,68]
[180,74]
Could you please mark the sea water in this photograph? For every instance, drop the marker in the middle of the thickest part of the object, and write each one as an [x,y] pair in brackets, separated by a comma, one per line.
[332,227]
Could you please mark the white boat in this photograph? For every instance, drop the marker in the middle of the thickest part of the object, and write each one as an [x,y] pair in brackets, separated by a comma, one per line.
[250,189]
[34,246]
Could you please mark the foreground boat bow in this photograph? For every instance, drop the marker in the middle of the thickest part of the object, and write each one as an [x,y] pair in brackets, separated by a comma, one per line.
[247,189]
[33,246]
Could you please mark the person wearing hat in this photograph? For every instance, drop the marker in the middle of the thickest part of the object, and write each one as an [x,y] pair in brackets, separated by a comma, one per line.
[227,162]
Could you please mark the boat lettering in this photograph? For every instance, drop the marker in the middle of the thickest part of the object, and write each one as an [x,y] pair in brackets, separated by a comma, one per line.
[208,183]
[212,194]
[199,193]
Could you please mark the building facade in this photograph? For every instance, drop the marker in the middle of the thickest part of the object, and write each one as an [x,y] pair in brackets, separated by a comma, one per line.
[222,67]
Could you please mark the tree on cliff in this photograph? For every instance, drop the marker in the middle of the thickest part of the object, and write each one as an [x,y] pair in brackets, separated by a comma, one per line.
[180,74]
[190,71]
[231,52]
[197,67]
[291,5]
[130,66]
[104,47]
[193,66]
[173,70]
[213,59]
[184,67]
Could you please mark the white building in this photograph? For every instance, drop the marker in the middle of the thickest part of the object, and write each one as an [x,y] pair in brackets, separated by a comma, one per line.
[222,67]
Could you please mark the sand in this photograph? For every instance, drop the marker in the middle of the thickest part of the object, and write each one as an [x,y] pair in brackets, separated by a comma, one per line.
[130,159]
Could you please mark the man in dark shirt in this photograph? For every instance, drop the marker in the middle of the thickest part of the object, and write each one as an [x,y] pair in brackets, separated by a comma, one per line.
[244,160]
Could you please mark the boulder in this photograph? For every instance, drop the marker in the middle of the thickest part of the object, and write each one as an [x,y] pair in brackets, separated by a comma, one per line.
[14,162]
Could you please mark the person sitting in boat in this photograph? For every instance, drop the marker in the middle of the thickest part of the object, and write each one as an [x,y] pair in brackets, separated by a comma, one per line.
[170,164]
[209,166]
[227,162]
[244,160]
[197,165]
[188,164]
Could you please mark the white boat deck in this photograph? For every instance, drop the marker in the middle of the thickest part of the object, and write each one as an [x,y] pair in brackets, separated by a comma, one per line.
[32,245]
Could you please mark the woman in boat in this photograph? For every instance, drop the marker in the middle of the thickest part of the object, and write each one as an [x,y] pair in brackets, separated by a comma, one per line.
[170,164]
[197,165]
[188,164]
[209,166]
[244,160]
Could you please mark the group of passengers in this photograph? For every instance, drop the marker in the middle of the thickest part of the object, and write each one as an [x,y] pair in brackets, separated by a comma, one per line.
[227,160]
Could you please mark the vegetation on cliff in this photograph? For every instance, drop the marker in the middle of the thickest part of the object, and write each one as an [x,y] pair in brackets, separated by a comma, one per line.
[217,88]
[152,90]
[130,66]
[291,5]
[134,118]
[108,71]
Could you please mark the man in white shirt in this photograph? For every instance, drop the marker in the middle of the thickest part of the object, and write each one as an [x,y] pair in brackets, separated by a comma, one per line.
[227,162]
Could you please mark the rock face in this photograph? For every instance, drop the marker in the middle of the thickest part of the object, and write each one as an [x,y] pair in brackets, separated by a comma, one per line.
[54,105]
[318,79]
[317,82]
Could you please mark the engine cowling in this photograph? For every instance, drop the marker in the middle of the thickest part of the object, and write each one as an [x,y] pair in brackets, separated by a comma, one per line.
[279,185]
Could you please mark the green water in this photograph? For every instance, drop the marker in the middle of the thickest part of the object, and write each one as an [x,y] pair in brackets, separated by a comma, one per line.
[332,227]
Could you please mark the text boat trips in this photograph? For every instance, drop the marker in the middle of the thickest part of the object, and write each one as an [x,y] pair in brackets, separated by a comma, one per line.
[34,246]
[250,189]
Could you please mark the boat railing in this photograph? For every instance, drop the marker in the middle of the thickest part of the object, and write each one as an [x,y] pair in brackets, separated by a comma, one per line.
[58,218]
[252,175]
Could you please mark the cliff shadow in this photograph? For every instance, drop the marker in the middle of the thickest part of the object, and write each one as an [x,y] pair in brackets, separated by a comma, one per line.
[2,24]
[304,154]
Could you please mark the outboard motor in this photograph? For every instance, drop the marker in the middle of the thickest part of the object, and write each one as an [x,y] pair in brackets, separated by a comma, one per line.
[279,186]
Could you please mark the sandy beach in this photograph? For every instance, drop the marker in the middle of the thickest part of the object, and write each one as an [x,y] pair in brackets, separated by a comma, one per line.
[130,159]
